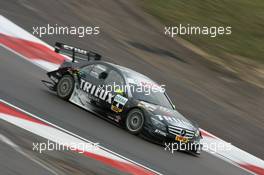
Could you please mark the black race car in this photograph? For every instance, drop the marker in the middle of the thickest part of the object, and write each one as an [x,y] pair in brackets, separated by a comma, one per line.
[122,95]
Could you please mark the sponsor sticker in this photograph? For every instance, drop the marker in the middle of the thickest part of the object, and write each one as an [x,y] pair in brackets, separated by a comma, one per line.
[181,139]
[96,91]
[118,103]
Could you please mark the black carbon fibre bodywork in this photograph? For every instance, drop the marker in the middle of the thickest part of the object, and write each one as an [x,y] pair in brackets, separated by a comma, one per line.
[162,124]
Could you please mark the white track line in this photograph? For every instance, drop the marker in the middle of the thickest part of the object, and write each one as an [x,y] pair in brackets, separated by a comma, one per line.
[77,136]
[19,150]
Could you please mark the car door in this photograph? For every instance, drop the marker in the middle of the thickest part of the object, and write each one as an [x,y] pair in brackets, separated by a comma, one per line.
[115,84]
[90,85]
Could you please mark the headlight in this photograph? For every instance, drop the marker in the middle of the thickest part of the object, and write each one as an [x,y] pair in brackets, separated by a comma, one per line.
[158,124]
[197,133]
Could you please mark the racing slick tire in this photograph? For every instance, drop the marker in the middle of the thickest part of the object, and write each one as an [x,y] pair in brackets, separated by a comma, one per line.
[135,121]
[197,150]
[65,87]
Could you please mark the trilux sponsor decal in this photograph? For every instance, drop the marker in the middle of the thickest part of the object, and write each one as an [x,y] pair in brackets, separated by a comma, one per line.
[96,91]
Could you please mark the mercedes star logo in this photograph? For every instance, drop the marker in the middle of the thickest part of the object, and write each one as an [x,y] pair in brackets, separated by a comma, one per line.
[183,132]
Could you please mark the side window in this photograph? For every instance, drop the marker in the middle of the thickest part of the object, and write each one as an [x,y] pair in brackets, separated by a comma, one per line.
[86,70]
[114,81]
[97,70]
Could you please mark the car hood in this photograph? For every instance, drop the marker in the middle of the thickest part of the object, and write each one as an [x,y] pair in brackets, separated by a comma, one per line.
[169,116]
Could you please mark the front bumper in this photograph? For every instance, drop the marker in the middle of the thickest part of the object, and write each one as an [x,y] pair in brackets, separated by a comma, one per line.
[165,138]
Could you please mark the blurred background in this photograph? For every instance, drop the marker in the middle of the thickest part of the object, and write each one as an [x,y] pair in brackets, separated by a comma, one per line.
[242,52]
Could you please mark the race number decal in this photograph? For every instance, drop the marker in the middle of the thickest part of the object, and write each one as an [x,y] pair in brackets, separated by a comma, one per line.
[118,103]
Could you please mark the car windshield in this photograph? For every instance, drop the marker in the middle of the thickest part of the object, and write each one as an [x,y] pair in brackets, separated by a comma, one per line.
[149,95]
[144,89]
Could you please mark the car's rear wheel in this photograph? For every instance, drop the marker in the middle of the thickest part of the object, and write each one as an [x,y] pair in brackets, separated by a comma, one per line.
[65,87]
[135,121]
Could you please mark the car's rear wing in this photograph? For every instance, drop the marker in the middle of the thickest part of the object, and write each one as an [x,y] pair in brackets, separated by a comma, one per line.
[76,53]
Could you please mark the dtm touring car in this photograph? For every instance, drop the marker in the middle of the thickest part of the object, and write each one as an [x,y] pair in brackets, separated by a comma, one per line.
[85,81]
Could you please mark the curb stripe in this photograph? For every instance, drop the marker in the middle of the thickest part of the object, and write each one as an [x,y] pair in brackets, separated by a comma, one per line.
[253,168]
[12,112]
[45,130]
[31,50]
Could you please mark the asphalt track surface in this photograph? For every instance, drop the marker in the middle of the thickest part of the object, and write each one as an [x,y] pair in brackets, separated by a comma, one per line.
[22,163]
[219,102]
[20,157]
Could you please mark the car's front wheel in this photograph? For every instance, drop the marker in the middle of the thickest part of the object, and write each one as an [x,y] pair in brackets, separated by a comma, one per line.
[135,121]
[65,87]
[197,149]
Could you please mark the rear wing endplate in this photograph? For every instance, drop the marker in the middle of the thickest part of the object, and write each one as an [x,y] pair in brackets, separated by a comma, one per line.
[76,53]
